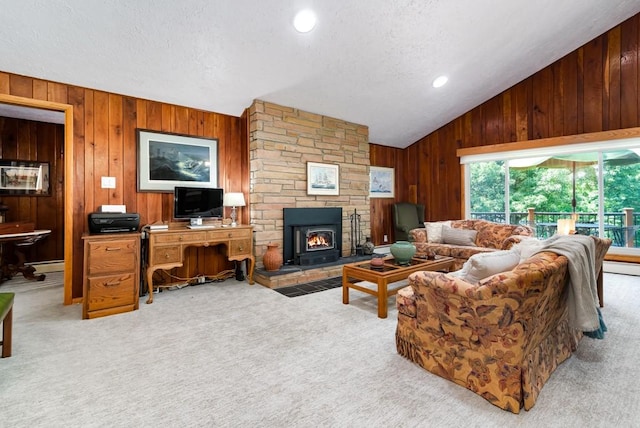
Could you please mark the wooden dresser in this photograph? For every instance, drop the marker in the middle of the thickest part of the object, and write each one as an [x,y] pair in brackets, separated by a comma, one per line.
[166,247]
[111,275]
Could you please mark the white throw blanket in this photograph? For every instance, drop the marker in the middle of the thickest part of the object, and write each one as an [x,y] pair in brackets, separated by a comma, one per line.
[583,295]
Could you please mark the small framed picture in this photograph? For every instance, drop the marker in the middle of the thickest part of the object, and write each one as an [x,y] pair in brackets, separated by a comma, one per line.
[381,182]
[22,177]
[323,179]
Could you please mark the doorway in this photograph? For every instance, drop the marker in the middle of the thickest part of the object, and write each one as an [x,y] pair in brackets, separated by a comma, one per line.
[46,107]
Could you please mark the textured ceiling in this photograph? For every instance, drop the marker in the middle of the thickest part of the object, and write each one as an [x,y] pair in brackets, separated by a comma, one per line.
[367,61]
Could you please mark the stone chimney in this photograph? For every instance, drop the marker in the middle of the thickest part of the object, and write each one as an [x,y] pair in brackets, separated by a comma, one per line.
[282,141]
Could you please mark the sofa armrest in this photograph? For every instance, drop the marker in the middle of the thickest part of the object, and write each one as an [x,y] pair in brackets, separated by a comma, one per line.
[453,314]
[442,282]
[418,235]
[513,240]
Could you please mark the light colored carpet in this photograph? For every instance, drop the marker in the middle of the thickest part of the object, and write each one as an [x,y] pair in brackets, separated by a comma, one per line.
[230,354]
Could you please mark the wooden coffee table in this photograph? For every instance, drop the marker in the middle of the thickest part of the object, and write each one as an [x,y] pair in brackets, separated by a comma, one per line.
[385,275]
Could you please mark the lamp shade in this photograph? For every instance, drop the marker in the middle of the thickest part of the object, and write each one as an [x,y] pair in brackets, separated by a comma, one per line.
[233,199]
[566,226]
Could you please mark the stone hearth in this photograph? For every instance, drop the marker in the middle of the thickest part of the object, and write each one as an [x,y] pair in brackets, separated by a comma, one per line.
[296,274]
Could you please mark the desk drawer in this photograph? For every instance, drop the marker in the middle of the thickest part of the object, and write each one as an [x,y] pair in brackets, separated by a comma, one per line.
[166,254]
[111,291]
[239,247]
[228,233]
[113,256]
[166,238]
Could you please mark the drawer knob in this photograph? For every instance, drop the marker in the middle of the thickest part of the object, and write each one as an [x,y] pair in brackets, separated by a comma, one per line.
[230,235]
[166,255]
[240,248]
[112,249]
[112,284]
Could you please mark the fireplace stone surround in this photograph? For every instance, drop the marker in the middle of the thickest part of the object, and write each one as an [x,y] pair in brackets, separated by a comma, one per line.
[282,140]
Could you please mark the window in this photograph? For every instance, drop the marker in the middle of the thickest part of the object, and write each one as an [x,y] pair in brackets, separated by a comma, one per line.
[596,186]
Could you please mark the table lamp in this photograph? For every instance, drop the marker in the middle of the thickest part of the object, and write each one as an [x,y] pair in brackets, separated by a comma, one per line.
[233,199]
[566,226]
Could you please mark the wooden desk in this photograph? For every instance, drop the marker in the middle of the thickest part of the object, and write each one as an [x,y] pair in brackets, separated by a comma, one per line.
[166,247]
[19,241]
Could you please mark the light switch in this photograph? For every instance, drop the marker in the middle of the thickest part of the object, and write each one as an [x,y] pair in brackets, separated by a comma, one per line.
[108,182]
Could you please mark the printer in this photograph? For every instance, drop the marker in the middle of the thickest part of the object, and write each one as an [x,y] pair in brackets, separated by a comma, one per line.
[105,222]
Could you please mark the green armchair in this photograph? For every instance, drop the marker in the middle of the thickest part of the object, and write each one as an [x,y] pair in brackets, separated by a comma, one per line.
[407,216]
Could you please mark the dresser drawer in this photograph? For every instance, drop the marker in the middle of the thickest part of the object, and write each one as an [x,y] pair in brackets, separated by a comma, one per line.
[239,247]
[166,254]
[111,291]
[112,256]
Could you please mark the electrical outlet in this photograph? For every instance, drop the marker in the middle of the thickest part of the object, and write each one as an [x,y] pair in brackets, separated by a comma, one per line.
[385,238]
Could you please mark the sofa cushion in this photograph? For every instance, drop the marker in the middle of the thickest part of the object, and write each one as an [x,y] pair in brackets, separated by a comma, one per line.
[483,265]
[458,236]
[434,231]
[528,247]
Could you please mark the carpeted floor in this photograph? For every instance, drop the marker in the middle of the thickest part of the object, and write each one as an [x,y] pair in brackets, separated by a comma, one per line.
[232,355]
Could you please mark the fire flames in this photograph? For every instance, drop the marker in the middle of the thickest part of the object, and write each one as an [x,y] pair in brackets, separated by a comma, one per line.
[316,241]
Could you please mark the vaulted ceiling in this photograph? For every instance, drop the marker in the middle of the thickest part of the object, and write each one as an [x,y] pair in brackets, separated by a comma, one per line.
[371,62]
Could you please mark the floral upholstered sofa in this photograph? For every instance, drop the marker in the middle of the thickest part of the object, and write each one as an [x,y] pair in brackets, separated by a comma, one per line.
[501,337]
[461,239]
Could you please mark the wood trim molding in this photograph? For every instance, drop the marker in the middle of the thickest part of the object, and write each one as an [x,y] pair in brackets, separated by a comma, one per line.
[622,258]
[68,179]
[592,137]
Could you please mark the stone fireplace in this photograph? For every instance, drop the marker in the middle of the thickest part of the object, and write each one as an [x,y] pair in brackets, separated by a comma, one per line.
[282,141]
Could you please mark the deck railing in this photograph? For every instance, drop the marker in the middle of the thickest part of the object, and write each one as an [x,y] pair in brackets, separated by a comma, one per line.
[621,227]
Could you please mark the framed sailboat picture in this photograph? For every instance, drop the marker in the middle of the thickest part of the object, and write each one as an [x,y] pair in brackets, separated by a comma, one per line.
[323,179]
[381,182]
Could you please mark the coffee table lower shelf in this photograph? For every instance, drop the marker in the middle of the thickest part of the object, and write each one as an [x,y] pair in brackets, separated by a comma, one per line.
[384,276]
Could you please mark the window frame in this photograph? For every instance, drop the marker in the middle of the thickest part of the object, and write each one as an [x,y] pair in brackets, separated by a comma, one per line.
[592,142]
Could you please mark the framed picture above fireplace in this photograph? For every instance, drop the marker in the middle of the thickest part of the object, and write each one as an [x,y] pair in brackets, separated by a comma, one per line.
[323,179]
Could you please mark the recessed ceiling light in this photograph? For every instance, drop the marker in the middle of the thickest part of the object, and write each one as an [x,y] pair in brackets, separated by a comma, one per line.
[440,81]
[304,21]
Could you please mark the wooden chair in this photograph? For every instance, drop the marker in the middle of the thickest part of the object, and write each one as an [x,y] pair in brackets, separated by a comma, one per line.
[6,315]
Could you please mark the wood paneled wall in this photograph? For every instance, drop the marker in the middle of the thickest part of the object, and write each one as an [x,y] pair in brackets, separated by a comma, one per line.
[595,88]
[105,144]
[43,142]
[381,214]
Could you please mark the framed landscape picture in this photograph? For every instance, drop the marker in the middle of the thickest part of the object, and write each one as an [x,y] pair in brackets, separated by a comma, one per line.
[323,179]
[381,182]
[168,160]
[19,177]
